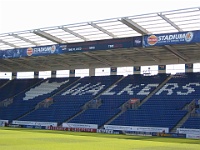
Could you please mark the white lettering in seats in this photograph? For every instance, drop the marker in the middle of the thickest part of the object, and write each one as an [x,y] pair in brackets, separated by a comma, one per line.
[109,92]
[188,88]
[168,90]
[128,89]
[146,89]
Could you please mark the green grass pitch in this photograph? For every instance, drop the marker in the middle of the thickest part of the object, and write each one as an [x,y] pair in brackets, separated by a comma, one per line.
[32,139]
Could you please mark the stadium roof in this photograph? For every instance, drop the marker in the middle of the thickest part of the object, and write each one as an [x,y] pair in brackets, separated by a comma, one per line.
[153,23]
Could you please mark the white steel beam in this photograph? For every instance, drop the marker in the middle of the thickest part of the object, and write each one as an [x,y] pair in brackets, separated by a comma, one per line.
[25,39]
[170,22]
[102,30]
[74,33]
[9,44]
[48,36]
[133,25]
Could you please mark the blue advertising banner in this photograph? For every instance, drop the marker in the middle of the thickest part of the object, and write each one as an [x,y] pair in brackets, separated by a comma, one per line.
[33,127]
[32,51]
[113,69]
[161,67]
[72,72]
[53,72]
[36,73]
[11,53]
[188,66]
[171,38]
[137,68]
[72,47]
[104,44]
[42,50]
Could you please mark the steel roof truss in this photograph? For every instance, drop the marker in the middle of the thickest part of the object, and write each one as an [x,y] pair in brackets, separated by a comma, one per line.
[170,22]
[9,44]
[104,61]
[103,30]
[5,67]
[148,55]
[25,39]
[133,25]
[19,63]
[74,33]
[177,53]
[48,36]
[198,44]
[122,57]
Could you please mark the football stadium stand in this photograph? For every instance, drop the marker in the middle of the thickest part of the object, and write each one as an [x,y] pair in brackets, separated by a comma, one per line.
[138,100]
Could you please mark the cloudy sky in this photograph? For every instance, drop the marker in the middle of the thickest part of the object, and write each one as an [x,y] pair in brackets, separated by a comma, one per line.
[19,15]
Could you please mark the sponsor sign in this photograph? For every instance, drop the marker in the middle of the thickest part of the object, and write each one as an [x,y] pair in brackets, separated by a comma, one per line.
[171,38]
[104,44]
[107,131]
[137,68]
[129,89]
[188,66]
[192,136]
[36,73]
[78,125]
[33,51]
[43,50]
[32,123]
[72,71]
[136,128]
[188,131]
[29,51]
[137,133]
[174,135]
[71,129]
[53,72]
[161,67]
[73,47]
[113,69]
[33,127]
[14,126]
[3,122]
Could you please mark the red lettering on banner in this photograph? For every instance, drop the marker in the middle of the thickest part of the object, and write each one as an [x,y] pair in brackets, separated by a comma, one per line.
[71,129]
